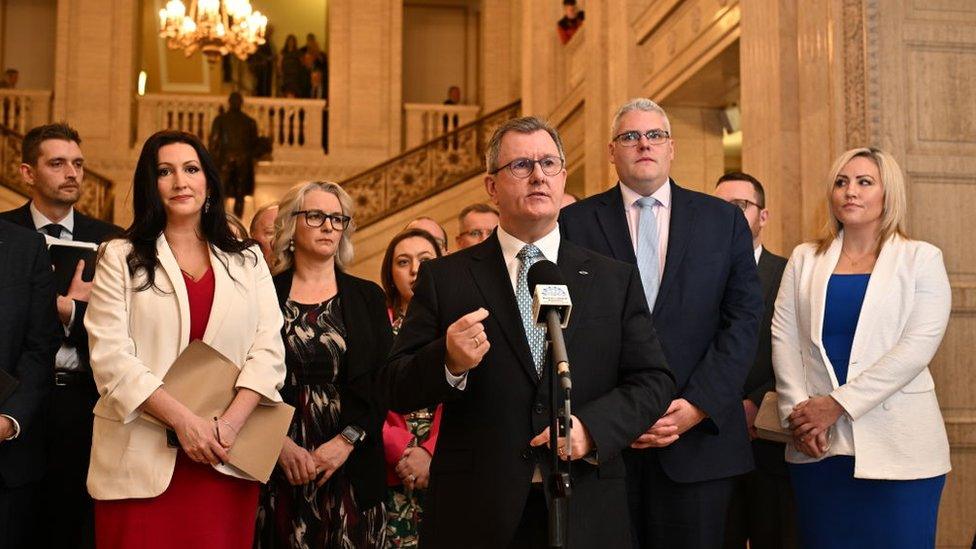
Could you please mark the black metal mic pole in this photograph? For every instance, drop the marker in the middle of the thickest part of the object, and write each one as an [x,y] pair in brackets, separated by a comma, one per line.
[559,479]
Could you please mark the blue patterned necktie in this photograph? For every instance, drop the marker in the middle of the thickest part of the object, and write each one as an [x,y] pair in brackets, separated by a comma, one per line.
[534,334]
[648,262]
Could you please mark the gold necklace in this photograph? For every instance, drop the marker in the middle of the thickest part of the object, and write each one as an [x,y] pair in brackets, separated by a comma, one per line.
[851,259]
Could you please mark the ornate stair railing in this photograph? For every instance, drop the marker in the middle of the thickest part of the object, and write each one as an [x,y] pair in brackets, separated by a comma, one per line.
[424,171]
[97,196]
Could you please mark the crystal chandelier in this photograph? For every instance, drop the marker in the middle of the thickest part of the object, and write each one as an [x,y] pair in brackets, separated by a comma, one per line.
[215,27]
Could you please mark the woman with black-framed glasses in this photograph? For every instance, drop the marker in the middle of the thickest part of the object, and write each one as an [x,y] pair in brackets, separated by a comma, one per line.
[330,483]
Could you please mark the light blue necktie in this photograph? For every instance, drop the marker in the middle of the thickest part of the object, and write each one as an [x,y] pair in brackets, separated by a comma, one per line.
[648,261]
[534,334]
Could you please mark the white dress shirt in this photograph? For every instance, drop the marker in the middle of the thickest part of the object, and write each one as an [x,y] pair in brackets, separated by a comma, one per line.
[67,357]
[548,245]
[662,212]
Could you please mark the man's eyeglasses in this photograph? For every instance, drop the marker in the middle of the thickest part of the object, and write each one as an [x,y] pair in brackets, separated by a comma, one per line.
[744,204]
[478,234]
[522,167]
[632,138]
[316,218]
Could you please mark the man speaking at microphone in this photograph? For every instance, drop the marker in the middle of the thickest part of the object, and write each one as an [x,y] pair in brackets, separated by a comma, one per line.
[470,342]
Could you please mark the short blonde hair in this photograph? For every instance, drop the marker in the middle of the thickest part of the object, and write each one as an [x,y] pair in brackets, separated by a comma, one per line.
[283,256]
[894,213]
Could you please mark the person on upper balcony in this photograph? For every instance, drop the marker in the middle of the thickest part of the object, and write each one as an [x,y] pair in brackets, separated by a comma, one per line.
[453,96]
[571,22]
[10,77]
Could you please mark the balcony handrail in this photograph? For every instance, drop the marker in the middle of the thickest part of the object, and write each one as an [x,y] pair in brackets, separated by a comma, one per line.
[423,122]
[425,170]
[460,129]
[97,195]
[458,108]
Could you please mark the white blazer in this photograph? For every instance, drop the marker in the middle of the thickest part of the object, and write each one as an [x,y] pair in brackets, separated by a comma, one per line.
[893,426]
[135,336]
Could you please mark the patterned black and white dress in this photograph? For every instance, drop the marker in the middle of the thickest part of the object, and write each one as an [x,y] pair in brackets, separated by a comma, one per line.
[308,516]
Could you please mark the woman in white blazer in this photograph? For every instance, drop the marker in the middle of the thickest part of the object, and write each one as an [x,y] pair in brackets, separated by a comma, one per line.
[859,316]
[177,274]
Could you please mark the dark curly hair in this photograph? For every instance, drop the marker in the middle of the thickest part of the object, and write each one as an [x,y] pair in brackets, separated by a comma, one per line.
[149,215]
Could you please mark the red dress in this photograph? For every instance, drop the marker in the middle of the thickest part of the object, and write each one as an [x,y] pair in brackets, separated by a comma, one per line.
[201,507]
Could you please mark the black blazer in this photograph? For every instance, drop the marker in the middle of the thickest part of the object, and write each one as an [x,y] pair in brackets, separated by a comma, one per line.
[769,456]
[706,314]
[368,343]
[760,378]
[30,339]
[481,472]
[86,229]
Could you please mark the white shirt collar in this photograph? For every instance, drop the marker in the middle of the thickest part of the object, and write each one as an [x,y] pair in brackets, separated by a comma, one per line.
[548,245]
[41,221]
[662,195]
[758,252]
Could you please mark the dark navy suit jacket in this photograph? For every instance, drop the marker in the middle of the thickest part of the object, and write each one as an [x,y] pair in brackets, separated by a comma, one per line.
[706,315]
[29,341]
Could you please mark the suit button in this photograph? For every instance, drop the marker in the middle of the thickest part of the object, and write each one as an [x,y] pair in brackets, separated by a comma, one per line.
[526,454]
[886,406]
[539,408]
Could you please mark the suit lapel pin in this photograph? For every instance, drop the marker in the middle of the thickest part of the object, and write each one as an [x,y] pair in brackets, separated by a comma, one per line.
[584,273]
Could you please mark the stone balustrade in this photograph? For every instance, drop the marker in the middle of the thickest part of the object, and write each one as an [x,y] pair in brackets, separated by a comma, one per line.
[423,122]
[296,127]
[21,110]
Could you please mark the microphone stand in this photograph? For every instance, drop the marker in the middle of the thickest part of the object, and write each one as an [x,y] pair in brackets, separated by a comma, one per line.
[560,488]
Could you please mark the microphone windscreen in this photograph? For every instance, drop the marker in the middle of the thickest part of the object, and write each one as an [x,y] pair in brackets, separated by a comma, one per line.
[544,272]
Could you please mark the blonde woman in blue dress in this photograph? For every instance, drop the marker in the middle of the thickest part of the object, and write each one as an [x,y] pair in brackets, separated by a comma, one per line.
[860,314]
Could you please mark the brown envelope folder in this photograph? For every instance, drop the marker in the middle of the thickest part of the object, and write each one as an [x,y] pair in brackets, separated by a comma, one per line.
[768,425]
[203,380]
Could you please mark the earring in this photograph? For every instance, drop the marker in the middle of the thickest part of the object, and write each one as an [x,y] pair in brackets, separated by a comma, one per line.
[291,245]
[206,205]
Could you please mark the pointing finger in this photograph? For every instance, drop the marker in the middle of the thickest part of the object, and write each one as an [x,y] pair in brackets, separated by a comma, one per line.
[469,319]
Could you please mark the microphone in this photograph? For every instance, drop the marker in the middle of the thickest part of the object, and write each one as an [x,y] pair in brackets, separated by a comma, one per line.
[549,292]
[551,305]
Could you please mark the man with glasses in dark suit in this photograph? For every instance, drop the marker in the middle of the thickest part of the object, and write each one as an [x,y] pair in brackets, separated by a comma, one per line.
[695,257]
[469,341]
